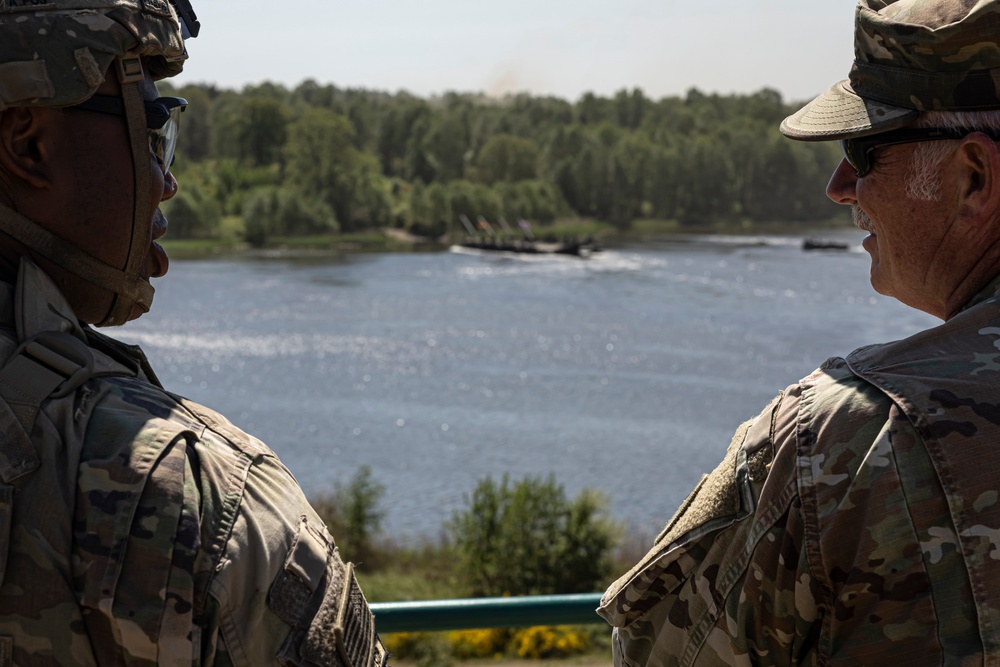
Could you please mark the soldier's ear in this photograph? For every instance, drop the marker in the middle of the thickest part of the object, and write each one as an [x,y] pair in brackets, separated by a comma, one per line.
[979,169]
[22,152]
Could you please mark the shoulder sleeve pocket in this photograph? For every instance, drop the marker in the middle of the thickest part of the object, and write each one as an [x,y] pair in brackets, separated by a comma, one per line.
[718,501]
[317,594]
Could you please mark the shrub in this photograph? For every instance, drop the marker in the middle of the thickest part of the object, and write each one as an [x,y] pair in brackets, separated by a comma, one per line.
[526,538]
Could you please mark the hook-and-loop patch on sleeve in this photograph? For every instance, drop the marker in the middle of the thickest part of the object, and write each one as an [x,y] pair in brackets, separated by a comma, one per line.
[317,594]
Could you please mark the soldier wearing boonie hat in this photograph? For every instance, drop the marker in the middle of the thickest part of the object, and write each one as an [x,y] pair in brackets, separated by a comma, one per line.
[856,520]
[136,527]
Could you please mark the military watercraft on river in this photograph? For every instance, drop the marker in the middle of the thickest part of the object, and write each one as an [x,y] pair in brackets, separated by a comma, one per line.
[482,237]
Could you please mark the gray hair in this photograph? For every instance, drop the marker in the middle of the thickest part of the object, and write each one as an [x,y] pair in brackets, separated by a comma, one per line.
[923,179]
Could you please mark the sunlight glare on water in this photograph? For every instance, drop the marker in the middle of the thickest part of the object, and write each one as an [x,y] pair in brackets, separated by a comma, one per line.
[627,372]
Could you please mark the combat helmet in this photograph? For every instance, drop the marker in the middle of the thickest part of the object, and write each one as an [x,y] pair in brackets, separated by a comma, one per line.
[56,53]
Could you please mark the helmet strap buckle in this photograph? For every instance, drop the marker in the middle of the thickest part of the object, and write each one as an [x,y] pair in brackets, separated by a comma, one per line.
[129,69]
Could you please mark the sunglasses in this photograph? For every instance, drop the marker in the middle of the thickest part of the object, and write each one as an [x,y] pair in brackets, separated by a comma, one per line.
[163,120]
[859,151]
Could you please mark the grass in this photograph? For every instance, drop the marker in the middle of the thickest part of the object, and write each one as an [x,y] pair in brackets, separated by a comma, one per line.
[648,227]
[397,586]
[412,572]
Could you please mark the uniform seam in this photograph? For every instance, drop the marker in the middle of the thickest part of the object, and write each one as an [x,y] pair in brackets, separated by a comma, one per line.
[957,515]
[230,633]
[916,535]
[805,444]
[761,524]
[233,498]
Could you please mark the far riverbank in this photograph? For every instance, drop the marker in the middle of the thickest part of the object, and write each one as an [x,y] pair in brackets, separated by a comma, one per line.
[398,240]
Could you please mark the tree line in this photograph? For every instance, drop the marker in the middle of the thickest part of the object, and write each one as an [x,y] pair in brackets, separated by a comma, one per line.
[317,159]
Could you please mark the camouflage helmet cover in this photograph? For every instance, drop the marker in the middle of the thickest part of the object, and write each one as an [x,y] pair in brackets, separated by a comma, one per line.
[57,52]
[910,56]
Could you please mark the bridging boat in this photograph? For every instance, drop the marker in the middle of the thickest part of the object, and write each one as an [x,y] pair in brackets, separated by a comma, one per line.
[821,244]
[484,238]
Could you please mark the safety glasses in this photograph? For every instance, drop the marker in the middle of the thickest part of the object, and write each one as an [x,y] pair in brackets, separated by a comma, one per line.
[859,150]
[163,119]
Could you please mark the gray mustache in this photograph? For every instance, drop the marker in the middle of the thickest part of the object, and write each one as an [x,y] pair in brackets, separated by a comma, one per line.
[861,219]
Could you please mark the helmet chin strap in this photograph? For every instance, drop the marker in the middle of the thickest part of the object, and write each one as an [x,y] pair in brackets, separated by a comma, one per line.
[138,291]
[68,256]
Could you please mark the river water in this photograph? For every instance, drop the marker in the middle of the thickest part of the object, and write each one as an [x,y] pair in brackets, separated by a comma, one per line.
[626,373]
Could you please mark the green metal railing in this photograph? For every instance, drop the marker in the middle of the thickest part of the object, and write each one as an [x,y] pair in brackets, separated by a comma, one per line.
[467,614]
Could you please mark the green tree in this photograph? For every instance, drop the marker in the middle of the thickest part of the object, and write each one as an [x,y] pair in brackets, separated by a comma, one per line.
[261,131]
[354,515]
[310,93]
[701,159]
[630,108]
[324,163]
[226,112]
[473,200]
[431,209]
[591,109]
[283,211]
[370,193]
[192,213]
[439,148]
[507,158]
[664,181]
[194,140]
[705,193]
[395,130]
[533,200]
[533,117]
[526,538]
[233,182]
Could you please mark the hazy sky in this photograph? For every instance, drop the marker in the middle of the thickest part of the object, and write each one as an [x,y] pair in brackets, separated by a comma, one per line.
[553,47]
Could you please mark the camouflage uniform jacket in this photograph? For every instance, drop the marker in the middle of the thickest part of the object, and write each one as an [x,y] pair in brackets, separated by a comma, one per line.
[139,528]
[856,521]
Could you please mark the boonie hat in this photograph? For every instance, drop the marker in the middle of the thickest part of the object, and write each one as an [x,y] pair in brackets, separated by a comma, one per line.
[910,56]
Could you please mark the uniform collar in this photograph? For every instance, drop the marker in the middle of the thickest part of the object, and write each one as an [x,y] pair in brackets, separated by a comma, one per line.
[991,290]
[39,306]
[35,305]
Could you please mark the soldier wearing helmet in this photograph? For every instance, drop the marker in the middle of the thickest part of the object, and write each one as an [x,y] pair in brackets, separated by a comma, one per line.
[856,521]
[135,526]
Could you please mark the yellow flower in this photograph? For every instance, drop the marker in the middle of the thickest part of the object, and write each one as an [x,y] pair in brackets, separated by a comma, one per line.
[542,642]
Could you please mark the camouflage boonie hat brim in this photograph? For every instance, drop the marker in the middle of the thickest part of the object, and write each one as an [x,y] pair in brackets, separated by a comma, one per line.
[910,56]
[840,112]
[57,52]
